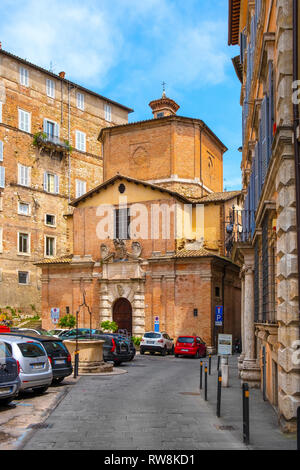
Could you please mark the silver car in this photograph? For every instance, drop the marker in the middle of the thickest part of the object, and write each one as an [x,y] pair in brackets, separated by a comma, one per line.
[35,367]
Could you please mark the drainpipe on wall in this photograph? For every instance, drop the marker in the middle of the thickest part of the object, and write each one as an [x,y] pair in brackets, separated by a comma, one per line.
[296,133]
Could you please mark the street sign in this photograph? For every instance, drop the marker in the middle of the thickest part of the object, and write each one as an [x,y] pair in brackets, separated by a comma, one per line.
[224,345]
[55,315]
[156,324]
[219,316]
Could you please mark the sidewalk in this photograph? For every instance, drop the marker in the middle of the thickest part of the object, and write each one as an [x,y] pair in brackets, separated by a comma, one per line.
[265,433]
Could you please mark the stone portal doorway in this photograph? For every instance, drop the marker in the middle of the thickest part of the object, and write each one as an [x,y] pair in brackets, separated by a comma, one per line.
[122,314]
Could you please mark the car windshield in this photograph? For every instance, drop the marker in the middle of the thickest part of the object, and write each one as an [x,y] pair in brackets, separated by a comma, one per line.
[183,339]
[55,348]
[31,349]
[152,335]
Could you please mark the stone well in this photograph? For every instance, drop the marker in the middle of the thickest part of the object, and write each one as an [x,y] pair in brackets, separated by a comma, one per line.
[90,355]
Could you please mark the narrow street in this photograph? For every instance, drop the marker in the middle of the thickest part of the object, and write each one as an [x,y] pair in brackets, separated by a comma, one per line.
[156,405]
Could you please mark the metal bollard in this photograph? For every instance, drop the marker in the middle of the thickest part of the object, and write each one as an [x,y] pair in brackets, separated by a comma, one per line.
[209,364]
[201,374]
[219,394]
[218,367]
[298,428]
[205,382]
[76,364]
[246,426]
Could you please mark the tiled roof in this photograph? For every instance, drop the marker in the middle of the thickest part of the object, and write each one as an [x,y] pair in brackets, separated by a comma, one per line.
[62,260]
[217,197]
[201,253]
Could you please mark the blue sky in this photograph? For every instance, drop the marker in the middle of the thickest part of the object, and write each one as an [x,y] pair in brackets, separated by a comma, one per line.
[124,49]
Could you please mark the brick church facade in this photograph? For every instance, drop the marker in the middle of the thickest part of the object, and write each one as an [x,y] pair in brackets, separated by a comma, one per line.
[150,240]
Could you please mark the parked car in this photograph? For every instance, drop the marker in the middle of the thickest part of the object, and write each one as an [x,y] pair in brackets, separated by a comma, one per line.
[153,342]
[115,348]
[9,374]
[57,331]
[38,331]
[128,340]
[190,346]
[35,368]
[80,332]
[58,354]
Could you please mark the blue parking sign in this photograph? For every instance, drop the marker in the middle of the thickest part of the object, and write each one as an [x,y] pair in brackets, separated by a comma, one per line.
[156,324]
[219,316]
[54,315]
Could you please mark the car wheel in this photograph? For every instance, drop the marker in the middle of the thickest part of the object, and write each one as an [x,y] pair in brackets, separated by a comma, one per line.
[197,355]
[41,390]
[172,351]
[142,352]
[6,401]
[176,355]
[117,363]
[164,352]
[152,353]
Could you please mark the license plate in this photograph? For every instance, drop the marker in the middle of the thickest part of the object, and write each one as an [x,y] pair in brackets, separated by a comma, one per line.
[60,361]
[185,350]
[4,390]
[150,342]
[37,366]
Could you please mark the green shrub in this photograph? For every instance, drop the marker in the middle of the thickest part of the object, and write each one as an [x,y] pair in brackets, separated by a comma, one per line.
[136,340]
[109,326]
[68,321]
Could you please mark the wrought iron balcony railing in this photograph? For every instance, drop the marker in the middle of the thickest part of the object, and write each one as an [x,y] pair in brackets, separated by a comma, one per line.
[43,140]
[239,228]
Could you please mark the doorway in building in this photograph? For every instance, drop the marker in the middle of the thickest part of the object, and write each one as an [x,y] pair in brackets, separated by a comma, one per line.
[122,314]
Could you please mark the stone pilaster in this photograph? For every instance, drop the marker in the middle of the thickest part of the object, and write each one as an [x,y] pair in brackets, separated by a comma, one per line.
[287,268]
[250,371]
[242,355]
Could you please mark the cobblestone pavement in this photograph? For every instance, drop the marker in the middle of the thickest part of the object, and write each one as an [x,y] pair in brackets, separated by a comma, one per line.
[156,406]
[27,412]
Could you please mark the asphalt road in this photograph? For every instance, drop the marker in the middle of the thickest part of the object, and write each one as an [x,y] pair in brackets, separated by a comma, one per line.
[156,405]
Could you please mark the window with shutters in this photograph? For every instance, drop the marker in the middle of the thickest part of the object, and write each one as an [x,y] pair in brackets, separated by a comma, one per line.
[2,177]
[23,208]
[50,88]
[80,188]
[51,183]
[49,246]
[1,151]
[122,223]
[23,277]
[24,175]
[80,141]
[24,243]
[24,120]
[80,101]
[24,76]
[107,109]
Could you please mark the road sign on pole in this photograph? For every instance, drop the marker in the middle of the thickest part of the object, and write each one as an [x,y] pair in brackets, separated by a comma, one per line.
[55,315]
[156,324]
[219,316]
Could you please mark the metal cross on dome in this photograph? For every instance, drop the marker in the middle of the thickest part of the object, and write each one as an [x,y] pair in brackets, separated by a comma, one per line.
[164,87]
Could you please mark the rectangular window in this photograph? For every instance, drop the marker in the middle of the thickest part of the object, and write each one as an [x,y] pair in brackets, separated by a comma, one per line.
[50,220]
[1,151]
[51,183]
[2,177]
[80,143]
[49,246]
[24,76]
[23,208]
[24,173]
[80,188]
[122,224]
[23,277]
[24,243]
[107,110]
[50,88]
[80,101]
[24,120]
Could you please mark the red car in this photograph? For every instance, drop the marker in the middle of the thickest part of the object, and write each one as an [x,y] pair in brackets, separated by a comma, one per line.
[190,346]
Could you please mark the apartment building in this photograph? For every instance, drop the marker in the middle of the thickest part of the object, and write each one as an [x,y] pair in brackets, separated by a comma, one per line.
[265,232]
[49,155]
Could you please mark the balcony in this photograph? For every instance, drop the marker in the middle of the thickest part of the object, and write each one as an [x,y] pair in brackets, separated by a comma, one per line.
[52,144]
[239,228]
